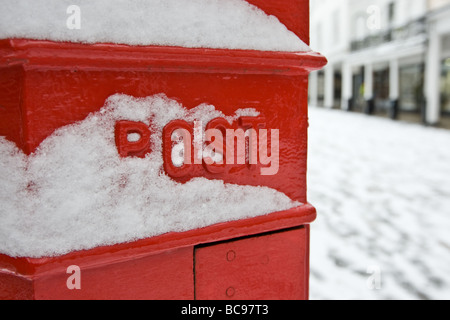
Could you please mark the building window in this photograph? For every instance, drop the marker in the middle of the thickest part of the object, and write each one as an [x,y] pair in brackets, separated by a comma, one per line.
[391,13]
[337,85]
[358,100]
[445,87]
[381,89]
[411,87]
[320,88]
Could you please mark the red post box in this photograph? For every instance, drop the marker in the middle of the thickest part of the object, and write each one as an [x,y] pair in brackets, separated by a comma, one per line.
[49,85]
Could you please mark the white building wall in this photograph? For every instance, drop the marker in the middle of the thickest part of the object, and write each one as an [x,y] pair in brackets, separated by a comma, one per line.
[336,23]
[329,26]
[330,35]
[439,21]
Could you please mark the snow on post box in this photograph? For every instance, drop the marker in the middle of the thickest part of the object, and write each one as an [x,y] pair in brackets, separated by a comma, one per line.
[153,143]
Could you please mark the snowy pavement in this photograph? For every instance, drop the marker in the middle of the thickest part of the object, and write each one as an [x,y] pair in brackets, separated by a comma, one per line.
[382,192]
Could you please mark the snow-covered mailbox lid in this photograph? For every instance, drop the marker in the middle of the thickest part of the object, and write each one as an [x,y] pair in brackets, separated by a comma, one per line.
[154,151]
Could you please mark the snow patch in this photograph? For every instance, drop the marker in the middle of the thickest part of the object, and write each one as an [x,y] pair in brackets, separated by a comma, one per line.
[231,24]
[75,192]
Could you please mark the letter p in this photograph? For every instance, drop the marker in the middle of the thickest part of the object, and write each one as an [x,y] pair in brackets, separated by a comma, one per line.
[126,142]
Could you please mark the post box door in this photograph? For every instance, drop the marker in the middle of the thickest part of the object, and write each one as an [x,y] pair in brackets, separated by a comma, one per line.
[266,267]
[162,276]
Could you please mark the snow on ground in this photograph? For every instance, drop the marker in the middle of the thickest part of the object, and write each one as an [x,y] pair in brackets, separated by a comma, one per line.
[382,191]
[230,24]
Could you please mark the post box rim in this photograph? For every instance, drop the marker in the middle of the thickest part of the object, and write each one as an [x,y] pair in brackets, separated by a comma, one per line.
[61,55]
[32,267]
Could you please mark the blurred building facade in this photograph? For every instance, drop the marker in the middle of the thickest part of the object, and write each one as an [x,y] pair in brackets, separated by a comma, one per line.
[386,57]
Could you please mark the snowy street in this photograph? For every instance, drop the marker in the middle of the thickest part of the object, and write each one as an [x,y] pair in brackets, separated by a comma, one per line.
[382,192]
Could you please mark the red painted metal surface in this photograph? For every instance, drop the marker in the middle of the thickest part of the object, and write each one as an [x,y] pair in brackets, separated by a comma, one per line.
[268,267]
[164,276]
[47,85]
